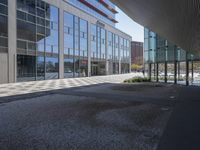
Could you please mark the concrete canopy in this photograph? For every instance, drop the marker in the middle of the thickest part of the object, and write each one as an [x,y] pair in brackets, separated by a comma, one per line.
[176,20]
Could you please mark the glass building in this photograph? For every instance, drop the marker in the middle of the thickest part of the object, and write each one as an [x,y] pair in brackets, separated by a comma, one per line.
[41,40]
[166,62]
[104,10]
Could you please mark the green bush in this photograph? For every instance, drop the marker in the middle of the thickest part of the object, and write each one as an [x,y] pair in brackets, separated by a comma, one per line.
[137,79]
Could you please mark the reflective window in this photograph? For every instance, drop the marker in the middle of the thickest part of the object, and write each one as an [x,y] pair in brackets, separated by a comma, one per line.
[103,43]
[83,38]
[146,33]
[40,68]
[76,36]
[26,70]
[116,52]
[96,4]
[52,32]
[76,67]
[75,46]
[93,41]
[37,30]
[4,2]
[51,68]
[124,50]
[3,26]
[28,6]
[128,48]
[110,45]
[98,42]
[83,68]
[68,34]
[40,43]
[68,67]
[26,31]
[3,9]
[121,48]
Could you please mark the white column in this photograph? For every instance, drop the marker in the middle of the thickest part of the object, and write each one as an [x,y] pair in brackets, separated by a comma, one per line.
[12,46]
[61,43]
[107,62]
[129,56]
[89,49]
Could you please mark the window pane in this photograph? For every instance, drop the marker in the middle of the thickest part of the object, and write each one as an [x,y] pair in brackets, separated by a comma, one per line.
[3,9]
[26,70]
[40,68]
[51,68]
[68,68]
[26,31]
[3,26]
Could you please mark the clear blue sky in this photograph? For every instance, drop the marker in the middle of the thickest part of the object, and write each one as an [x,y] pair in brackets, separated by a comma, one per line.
[127,25]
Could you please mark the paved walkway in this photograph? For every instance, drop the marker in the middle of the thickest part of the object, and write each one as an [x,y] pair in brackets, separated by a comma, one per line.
[183,129]
[48,85]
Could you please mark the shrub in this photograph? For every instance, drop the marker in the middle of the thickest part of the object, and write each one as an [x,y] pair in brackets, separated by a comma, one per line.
[137,79]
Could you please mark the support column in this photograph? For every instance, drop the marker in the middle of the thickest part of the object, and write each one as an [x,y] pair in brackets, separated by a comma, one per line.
[178,70]
[89,50]
[107,62]
[175,65]
[12,42]
[157,72]
[187,70]
[154,71]
[175,72]
[192,69]
[165,71]
[129,57]
[61,44]
[120,67]
[149,71]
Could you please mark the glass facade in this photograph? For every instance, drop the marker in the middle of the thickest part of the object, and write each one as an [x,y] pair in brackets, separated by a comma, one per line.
[98,50]
[96,4]
[118,50]
[68,34]
[166,62]
[75,46]
[3,26]
[37,39]
[110,45]
[94,52]
[125,55]
[38,55]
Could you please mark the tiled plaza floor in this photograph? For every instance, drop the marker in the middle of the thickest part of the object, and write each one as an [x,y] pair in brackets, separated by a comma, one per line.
[48,85]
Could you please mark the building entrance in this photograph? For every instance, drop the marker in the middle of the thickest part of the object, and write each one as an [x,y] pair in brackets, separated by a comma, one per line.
[98,68]
[94,70]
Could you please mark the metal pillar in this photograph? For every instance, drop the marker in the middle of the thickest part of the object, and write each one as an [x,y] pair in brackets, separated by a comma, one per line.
[175,72]
[192,70]
[154,71]
[178,71]
[157,72]
[149,71]
[175,65]
[187,70]
[165,71]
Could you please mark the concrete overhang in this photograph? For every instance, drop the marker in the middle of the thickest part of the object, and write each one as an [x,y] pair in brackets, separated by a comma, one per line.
[176,20]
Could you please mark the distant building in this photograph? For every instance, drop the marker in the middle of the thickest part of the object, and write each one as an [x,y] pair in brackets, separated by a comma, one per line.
[137,53]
